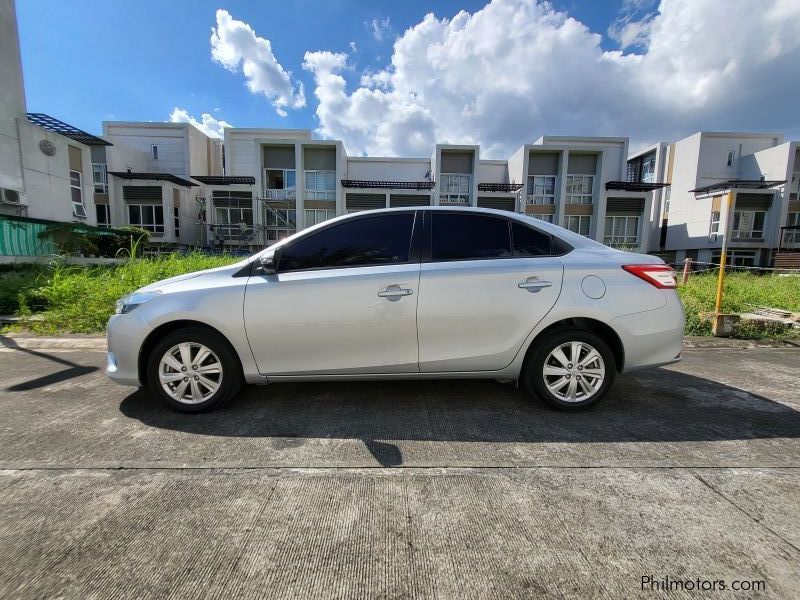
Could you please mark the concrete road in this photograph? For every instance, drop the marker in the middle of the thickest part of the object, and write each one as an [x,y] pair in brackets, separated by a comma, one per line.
[414,489]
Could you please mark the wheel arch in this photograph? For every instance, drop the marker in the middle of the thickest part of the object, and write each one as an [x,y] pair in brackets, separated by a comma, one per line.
[165,328]
[602,330]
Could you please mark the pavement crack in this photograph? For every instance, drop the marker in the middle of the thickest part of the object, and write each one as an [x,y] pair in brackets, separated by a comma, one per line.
[759,522]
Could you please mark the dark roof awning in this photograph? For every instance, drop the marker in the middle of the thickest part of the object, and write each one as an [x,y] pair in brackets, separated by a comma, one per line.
[388,185]
[56,126]
[224,179]
[153,177]
[738,184]
[499,187]
[634,186]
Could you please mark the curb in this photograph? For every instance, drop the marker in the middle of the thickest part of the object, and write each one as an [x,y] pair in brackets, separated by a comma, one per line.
[54,343]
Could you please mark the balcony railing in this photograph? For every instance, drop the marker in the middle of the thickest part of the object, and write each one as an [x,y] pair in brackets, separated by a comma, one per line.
[546,199]
[747,234]
[284,194]
[230,232]
[319,194]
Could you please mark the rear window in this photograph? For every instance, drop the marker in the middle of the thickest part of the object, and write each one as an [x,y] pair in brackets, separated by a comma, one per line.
[468,237]
[531,242]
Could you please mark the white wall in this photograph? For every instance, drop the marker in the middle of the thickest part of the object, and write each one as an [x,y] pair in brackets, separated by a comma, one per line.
[171,139]
[493,171]
[388,169]
[47,182]
[12,99]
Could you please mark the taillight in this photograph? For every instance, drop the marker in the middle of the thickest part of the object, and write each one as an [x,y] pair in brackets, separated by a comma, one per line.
[661,276]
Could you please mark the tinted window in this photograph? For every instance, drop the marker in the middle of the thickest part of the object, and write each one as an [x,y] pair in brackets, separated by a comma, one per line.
[378,240]
[468,236]
[530,242]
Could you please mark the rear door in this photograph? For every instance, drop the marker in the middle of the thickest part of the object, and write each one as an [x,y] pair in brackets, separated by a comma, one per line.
[344,301]
[485,282]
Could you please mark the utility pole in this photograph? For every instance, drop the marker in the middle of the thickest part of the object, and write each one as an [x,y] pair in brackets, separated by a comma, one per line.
[717,328]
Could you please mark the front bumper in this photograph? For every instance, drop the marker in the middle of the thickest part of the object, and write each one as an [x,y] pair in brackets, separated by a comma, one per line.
[654,337]
[125,336]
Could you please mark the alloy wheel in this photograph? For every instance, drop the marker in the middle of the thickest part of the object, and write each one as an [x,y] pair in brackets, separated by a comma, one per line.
[190,373]
[574,371]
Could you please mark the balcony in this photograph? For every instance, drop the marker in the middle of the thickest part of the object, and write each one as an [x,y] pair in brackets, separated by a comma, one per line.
[455,188]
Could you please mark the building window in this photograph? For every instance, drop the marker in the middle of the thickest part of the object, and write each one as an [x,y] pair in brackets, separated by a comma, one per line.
[667,195]
[547,218]
[736,258]
[621,231]
[748,224]
[731,158]
[320,185]
[76,190]
[792,236]
[578,224]
[649,169]
[149,217]
[455,188]
[541,189]
[794,187]
[280,223]
[713,229]
[176,220]
[103,215]
[100,177]
[579,189]
[281,184]
[154,149]
[318,215]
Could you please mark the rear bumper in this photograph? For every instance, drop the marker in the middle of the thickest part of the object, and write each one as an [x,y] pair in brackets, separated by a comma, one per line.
[654,337]
[125,336]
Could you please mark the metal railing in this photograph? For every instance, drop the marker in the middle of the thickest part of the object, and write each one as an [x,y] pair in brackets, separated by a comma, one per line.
[280,194]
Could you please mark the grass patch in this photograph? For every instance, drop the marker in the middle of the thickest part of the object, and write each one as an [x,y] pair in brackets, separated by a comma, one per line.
[743,292]
[80,299]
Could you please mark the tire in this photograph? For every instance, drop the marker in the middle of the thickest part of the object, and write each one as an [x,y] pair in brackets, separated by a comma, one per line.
[194,393]
[564,378]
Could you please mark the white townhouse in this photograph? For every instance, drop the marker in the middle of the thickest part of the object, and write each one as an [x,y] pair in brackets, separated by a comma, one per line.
[149,173]
[760,172]
[297,181]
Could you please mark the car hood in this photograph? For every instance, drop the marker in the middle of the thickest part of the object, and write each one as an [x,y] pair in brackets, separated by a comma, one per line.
[164,284]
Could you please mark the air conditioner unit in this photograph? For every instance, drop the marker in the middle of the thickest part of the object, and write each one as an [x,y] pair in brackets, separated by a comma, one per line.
[10,196]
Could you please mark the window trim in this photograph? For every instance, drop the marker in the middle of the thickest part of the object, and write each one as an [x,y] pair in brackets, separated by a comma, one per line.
[413,245]
[590,195]
[79,187]
[154,233]
[106,209]
[154,151]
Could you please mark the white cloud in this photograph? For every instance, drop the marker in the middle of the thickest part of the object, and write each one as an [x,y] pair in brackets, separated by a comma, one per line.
[208,124]
[632,26]
[235,46]
[353,47]
[379,27]
[518,69]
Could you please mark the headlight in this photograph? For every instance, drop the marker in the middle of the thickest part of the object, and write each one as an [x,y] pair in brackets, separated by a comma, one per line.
[128,303]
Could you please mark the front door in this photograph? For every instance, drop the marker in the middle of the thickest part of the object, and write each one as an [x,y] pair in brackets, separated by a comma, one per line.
[344,301]
[486,284]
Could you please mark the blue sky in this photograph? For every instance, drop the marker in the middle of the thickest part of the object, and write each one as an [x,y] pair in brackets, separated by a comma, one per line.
[91,61]
[85,62]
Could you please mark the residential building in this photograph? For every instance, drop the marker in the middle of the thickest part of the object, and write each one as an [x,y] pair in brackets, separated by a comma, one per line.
[760,172]
[148,175]
[45,164]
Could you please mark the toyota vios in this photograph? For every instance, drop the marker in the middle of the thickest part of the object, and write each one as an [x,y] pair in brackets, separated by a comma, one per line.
[404,293]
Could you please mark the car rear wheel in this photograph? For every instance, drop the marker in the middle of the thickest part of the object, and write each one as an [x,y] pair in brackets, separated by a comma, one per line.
[193,370]
[569,369]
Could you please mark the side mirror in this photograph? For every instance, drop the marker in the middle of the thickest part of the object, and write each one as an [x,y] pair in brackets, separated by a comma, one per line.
[268,264]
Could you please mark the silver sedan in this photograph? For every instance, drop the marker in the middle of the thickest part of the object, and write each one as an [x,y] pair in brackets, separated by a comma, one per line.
[405,294]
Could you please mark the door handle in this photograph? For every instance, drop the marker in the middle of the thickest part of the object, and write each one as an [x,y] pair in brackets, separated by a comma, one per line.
[394,292]
[534,284]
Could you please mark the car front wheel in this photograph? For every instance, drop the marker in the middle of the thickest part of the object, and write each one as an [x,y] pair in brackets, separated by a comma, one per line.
[193,370]
[569,369]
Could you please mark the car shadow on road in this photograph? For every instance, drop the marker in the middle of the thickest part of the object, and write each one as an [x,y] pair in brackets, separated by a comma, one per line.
[72,371]
[653,406]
